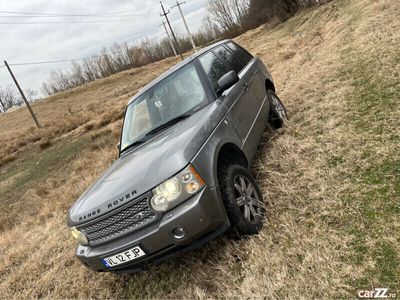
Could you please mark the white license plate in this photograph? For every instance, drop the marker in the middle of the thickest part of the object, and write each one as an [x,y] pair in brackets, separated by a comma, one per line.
[123,257]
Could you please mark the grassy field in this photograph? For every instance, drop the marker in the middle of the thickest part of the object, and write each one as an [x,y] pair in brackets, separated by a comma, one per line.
[331,176]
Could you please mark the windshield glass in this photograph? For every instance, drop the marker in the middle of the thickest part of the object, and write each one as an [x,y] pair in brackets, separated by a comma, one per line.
[178,94]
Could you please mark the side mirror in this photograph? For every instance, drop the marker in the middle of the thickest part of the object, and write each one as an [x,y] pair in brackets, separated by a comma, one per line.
[227,81]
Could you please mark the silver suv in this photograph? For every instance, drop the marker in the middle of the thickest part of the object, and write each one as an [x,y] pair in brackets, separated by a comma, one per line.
[182,175]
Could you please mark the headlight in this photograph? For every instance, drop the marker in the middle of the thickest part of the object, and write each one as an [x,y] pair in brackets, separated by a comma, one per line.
[176,189]
[79,236]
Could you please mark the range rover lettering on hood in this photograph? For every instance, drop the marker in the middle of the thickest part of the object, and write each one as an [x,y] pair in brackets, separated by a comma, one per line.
[110,205]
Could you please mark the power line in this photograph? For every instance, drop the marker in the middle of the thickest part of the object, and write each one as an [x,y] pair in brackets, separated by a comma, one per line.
[64,22]
[66,15]
[61,60]
[52,14]
[73,59]
[97,15]
[70,16]
[154,38]
[55,61]
[105,15]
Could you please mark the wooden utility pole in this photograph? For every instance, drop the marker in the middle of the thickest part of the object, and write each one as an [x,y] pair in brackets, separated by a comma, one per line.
[178,4]
[169,38]
[165,14]
[23,96]
[2,104]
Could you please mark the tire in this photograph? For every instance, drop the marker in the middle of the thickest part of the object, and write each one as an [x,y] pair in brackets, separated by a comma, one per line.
[277,113]
[244,204]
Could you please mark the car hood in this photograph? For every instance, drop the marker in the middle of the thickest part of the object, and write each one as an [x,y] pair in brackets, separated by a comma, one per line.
[146,166]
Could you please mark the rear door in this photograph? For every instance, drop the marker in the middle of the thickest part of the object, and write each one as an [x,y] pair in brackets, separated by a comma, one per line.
[257,85]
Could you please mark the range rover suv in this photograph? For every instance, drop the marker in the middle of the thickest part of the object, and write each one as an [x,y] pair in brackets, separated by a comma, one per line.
[182,177]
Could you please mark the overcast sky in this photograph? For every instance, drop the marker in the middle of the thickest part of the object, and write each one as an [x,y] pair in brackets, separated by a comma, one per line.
[20,43]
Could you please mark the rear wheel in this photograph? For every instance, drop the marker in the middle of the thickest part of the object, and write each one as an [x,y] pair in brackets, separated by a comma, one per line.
[277,113]
[243,200]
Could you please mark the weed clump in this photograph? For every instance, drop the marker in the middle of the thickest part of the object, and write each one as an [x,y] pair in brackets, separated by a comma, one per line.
[45,144]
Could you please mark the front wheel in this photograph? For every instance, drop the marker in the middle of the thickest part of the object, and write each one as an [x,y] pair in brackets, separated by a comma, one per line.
[277,112]
[243,200]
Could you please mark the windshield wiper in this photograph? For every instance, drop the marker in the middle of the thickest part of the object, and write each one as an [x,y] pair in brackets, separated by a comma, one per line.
[155,130]
[136,143]
[167,124]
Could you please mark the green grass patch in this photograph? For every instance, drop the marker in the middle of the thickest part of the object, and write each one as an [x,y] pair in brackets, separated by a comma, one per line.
[388,260]
[35,165]
[373,200]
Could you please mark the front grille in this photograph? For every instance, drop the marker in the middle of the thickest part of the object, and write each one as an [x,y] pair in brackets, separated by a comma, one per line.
[117,224]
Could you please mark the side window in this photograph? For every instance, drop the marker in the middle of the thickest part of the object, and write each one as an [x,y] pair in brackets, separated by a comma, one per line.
[213,67]
[233,61]
[240,52]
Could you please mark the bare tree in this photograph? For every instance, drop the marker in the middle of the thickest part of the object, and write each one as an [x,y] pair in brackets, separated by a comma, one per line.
[78,75]
[8,98]
[30,94]
[229,16]
[265,11]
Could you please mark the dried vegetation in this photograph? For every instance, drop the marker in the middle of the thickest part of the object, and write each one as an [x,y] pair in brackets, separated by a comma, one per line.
[331,176]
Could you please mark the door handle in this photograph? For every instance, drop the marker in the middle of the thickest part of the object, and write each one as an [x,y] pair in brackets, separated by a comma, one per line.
[245,86]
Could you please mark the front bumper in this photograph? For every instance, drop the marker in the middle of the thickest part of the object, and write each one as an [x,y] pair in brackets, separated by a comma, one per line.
[202,216]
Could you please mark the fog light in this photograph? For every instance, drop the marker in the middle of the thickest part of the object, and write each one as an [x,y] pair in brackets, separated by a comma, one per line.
[178,232]
[79,236]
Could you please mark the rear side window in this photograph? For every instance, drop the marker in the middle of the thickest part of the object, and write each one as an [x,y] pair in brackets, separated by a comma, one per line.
[213,67]
[234,62]
[240,52]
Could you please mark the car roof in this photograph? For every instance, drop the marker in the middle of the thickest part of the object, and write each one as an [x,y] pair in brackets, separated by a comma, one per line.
[177,67]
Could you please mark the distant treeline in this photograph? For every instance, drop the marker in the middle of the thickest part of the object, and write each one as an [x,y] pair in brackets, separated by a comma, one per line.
[119,57]
[225,19]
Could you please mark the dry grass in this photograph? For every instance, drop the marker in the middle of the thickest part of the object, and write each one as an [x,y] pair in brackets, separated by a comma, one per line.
[100,102]
[331,176]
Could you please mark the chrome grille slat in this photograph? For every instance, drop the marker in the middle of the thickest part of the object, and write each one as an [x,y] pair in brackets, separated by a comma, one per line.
[119,223]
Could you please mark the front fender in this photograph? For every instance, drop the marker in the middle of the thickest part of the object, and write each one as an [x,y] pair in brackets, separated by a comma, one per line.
[206,159]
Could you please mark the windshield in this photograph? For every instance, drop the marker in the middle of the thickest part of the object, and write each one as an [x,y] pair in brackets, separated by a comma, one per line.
[178,94]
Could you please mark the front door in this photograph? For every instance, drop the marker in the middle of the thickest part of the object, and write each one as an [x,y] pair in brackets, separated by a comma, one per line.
[245,107]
